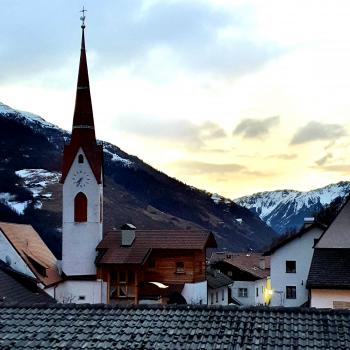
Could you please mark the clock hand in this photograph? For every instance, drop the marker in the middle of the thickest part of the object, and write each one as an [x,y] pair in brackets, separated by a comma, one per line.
[79,181]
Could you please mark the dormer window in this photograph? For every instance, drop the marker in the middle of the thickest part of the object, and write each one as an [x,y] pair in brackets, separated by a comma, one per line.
[80,159]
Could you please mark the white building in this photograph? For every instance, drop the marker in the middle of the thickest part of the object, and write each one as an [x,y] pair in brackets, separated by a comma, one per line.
[329,277]
[218,288]
[22,249]
[290,261]
[249,273]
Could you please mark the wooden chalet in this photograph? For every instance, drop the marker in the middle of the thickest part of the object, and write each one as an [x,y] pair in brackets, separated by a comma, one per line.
[147,265]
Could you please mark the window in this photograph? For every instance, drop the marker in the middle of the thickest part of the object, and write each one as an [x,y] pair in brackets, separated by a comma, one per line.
[81,297]
[126,284]
[80,207]
[216,297]
[80,159]
[291,266]
[222,294]
[180,267]
[212,298]
[291,292]
[229,273]
[257,291]
[243,292]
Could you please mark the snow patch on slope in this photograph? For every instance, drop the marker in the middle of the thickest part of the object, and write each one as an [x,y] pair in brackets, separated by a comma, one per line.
[10,200]
[26,117]
[116,158]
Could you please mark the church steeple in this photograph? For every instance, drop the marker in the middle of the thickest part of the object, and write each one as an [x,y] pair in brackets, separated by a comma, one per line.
[83,120]
[83,130]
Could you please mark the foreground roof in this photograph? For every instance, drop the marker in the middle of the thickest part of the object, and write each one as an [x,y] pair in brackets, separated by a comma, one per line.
[28,244]
[70,326]
[112,251]
[330,268]
[282,242]
[17,287]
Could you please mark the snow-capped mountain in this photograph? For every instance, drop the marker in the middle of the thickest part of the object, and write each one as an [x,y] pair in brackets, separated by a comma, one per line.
[30,165]
[285,210]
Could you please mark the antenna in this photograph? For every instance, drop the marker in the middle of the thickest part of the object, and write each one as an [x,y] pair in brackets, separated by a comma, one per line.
[82,18]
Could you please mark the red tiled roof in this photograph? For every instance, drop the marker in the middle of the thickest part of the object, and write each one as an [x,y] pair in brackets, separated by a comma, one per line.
[112,252]
[33,250]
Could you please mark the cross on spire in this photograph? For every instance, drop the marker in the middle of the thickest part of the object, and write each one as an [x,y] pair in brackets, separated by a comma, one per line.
[82,18]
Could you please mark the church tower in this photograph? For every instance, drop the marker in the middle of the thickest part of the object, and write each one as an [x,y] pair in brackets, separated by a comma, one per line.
[82,179]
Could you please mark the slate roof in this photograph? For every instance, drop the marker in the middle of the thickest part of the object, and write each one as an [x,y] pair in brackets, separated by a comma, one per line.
[32,249]
[70,326]
[289,238]
[330,268]
[217,279]
[17,287]
[111,250]
[337,234]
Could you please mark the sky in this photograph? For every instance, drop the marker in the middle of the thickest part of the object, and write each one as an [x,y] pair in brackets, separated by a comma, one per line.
[233,97]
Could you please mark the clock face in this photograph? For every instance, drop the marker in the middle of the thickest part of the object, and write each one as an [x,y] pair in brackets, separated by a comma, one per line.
[81,179]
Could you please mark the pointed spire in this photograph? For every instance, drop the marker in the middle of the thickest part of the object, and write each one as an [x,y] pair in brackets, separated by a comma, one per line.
[83,133]
[83,120]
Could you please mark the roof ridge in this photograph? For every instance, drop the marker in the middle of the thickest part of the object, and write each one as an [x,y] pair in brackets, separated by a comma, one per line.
[268,309]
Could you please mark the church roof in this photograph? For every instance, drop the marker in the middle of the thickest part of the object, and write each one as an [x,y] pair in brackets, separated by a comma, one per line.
[31,248]
[112,251]
[83,132]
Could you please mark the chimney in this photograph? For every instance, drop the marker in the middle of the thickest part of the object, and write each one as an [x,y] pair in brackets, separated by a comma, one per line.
[262,264]
[308,221]
[128,234]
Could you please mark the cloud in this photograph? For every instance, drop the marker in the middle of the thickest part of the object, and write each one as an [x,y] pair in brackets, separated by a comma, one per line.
[128,33]
[283,156]
[200,168]
[324,160]
[315,131]
[256,128]
[340,168]
[179,131]
[195,167]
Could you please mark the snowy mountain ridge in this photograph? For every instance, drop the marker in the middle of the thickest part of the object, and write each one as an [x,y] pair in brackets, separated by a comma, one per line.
[285,209]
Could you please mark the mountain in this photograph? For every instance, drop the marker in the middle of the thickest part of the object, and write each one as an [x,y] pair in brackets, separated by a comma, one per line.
[285,210]
[30,162]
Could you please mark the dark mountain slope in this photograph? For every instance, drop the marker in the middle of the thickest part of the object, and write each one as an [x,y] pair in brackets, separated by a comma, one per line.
[30,159]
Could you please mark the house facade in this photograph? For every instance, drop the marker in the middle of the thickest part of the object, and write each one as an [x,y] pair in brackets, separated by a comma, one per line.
[141,266]
[329,276]
[290,262]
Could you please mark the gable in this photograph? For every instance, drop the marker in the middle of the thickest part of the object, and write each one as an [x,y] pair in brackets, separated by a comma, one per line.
[10,256]
[338,233]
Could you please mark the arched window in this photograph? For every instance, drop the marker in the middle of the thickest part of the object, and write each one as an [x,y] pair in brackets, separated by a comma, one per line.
[80,158]
[80,207]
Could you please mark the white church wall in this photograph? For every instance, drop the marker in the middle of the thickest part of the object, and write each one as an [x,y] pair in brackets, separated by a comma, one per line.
[79,240]
[195,293]
[80,292]
[9,255]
